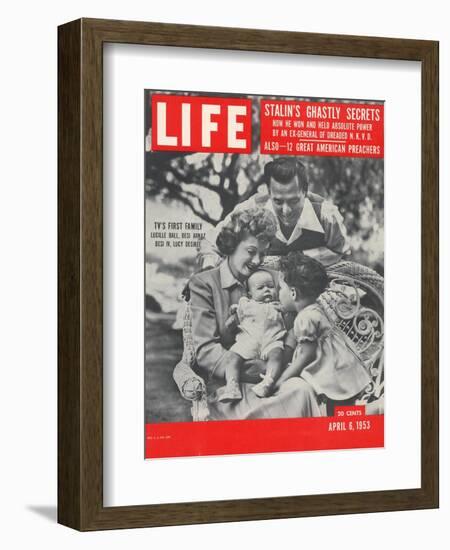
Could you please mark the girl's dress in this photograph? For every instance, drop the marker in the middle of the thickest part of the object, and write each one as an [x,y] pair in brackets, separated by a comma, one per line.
[336,372]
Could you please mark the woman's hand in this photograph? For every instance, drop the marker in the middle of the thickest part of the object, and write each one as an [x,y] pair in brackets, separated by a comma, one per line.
[231,324]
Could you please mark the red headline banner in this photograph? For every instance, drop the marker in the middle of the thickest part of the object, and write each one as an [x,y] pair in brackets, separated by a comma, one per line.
[349,428]
[201,124]
[322,128]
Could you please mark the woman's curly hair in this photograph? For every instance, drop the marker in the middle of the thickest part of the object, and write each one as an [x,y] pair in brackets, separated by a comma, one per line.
[257,222]
[306,275]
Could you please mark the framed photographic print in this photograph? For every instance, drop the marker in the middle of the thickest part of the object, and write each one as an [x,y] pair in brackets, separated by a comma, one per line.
[248,274]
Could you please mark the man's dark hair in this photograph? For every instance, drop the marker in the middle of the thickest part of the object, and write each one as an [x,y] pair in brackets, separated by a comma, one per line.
[284,170]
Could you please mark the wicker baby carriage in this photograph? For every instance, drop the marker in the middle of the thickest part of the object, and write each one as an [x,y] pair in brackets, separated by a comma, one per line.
[353,301]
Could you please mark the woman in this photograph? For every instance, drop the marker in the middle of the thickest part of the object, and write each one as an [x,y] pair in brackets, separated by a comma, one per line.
[243,242]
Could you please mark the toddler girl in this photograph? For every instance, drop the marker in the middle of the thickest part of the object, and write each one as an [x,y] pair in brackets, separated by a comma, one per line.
[323,356]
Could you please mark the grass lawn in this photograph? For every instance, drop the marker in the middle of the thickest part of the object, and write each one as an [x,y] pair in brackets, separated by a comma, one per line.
[163,350]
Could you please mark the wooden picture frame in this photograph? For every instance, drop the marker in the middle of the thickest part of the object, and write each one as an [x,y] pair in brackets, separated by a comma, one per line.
[80,272]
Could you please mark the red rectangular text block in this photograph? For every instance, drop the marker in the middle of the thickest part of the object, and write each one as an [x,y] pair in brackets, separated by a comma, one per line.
[350,430]
[322,128]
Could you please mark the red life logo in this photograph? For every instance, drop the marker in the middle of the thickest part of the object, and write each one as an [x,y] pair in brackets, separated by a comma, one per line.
[201,124]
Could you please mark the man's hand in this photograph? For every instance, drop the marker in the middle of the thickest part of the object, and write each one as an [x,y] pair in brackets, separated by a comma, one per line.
[323,255]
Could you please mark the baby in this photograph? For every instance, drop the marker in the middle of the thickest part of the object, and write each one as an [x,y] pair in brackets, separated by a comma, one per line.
[260,336]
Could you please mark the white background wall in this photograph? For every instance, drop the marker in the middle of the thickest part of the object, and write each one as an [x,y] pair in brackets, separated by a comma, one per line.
[28,272]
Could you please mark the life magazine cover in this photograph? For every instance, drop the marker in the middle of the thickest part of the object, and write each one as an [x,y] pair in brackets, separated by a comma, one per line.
[264,264]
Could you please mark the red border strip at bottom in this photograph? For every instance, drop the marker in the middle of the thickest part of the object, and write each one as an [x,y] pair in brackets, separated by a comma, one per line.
[348,429]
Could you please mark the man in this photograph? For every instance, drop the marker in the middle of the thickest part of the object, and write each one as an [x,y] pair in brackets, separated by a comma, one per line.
[305,221]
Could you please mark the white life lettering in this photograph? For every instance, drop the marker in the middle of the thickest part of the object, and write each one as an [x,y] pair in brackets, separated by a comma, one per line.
[162,137]
[208,126]
[234,126]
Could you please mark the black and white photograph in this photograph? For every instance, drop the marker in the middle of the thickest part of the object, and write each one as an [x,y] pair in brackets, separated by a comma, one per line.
[264,287]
